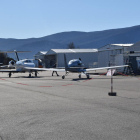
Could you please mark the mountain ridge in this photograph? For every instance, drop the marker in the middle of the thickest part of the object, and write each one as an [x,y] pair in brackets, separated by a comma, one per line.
[94,39]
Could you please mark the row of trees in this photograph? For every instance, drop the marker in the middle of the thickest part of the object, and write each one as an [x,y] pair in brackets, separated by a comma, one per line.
[4,58]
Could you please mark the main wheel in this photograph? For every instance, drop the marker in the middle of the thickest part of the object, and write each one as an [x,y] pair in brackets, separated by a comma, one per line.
[10,74]
[79,75]
[88,76]
[30,75]
[63,76]
[35,74]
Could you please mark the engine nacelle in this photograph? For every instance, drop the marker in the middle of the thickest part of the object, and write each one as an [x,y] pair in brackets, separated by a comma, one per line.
[11,63]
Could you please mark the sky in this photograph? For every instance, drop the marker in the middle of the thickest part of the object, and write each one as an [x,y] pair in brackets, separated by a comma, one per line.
[37,18]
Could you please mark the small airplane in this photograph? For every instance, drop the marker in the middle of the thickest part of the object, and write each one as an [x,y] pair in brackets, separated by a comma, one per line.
[75,66]
[20,65]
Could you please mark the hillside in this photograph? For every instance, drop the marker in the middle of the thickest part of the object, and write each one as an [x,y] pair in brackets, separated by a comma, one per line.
[81,39]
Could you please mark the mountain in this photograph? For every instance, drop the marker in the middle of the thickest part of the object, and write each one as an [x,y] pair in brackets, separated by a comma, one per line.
[95,39]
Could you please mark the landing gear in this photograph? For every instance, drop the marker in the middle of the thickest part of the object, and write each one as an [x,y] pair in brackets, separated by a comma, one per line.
[10,74]
[29,75]
[36,74]
[87,76]
[63,76]
[79,76]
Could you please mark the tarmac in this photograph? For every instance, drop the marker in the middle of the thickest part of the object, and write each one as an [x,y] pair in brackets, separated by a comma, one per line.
[51,108]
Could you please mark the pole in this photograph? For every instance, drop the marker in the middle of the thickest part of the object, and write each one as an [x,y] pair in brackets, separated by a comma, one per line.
[111,81]
[112,93]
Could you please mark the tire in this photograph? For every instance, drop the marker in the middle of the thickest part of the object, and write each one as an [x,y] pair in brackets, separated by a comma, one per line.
[87,76]
[63,76]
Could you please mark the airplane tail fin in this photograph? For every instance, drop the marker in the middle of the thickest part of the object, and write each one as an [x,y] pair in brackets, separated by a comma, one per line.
[17,58]
[66,65]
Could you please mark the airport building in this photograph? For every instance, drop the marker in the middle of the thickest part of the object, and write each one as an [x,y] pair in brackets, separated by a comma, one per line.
[110,55]
[89,57]
[132,57]
[120,54]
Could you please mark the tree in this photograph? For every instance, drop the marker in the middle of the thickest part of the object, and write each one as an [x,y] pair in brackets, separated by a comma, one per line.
[4,58]
[71,45]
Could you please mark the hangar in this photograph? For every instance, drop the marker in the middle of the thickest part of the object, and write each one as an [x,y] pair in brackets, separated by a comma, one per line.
[120,54]
[107,54]
[89,57]
[132,57]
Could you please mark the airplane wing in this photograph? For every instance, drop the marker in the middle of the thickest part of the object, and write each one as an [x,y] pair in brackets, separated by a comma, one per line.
[43,69]
[14,71]
[7,66]
[113,67]
[4,66]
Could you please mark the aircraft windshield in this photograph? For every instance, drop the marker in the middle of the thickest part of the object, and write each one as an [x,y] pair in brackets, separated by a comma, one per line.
[74,62]
[28,61]
[70,62]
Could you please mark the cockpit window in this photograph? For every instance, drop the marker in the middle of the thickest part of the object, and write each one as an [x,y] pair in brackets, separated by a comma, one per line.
[71,61]
[74,62]
[27,61]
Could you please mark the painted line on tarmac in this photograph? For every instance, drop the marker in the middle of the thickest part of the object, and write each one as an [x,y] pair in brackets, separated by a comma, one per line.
[128,75]
[67,85]
[2,79]
[30,85]
[45,86]
[23,84]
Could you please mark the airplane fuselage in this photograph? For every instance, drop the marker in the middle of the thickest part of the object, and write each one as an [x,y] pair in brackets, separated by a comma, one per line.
[24,63]
[74,66]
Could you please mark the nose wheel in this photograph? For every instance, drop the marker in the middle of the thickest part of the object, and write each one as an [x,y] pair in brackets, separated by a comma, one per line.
[79,75]
[63,76]
[29,75]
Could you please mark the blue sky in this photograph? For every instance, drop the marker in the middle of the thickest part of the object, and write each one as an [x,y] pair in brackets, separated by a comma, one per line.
[38,18]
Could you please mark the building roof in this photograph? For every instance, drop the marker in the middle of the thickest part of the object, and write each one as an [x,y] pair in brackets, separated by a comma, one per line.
[123,45]
[115,45]
[52,51]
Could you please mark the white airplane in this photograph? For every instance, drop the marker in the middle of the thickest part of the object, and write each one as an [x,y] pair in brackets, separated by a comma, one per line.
[75,66]
[20,65]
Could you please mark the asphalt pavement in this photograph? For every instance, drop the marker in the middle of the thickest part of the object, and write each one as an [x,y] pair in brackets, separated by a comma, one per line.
[51,108]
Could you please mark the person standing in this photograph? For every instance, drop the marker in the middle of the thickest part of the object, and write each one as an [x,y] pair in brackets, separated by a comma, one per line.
[54,66]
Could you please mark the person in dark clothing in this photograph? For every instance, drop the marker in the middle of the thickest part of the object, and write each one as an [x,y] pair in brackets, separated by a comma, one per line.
[54,66]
